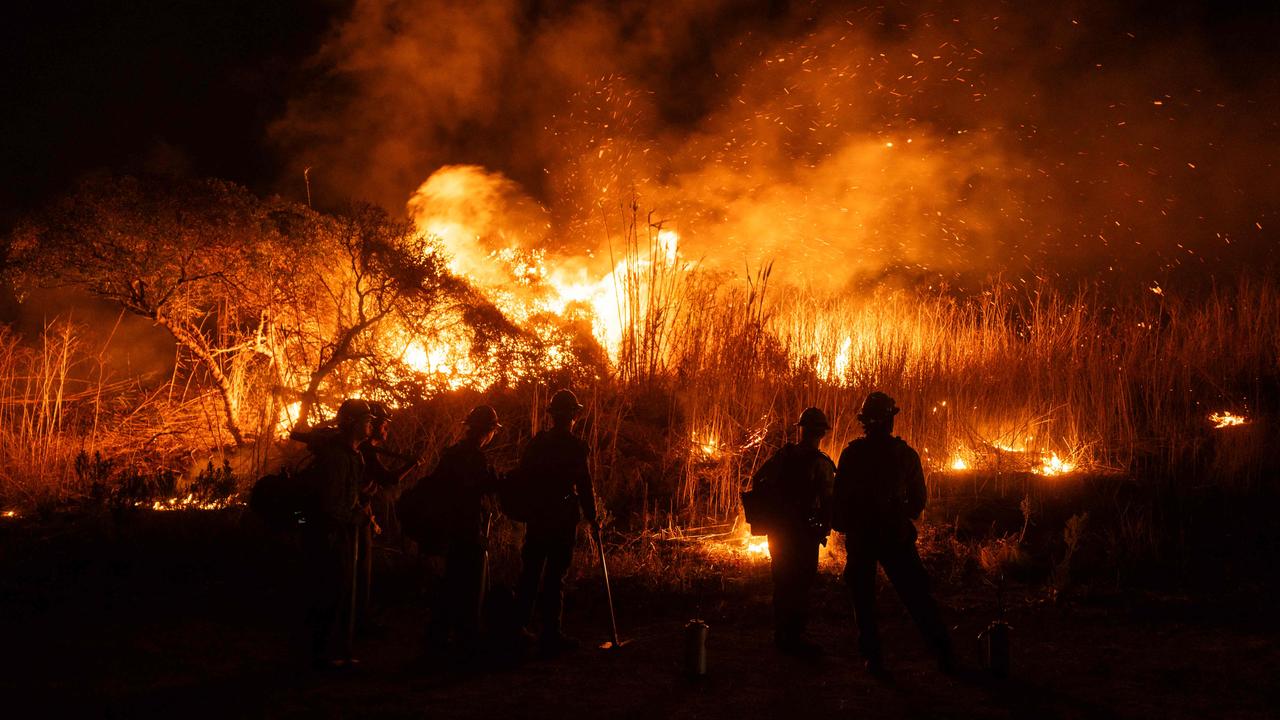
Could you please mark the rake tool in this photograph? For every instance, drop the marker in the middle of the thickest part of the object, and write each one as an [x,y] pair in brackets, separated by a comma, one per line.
[608,591]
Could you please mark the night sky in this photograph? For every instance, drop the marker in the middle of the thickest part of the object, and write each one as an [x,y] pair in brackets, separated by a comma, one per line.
[174,85]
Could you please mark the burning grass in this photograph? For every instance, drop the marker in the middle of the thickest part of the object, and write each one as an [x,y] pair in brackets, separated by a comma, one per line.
[999,383]
[190,502]
[691,377]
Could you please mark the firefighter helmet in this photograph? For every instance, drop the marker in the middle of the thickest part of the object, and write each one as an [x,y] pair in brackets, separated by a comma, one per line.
[878,407]
[814,418]
[482,417]
[352,411]
[564,402]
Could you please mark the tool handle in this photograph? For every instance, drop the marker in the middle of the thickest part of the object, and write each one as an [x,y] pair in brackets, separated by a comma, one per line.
[608,589]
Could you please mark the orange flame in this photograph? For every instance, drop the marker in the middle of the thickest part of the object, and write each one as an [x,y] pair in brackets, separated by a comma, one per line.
[1225,419]
[1052,465]
[190,502]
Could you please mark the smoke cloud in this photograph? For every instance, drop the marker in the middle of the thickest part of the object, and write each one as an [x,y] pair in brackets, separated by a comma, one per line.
[841,142]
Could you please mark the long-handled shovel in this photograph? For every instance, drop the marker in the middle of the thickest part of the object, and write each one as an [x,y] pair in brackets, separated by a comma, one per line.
[608,591]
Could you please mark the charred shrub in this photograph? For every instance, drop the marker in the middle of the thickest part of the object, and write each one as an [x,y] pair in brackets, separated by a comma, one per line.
[214,482]
[140,486]
[94,473]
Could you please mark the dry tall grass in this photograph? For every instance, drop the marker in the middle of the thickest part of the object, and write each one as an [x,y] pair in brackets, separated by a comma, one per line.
[37,442]
[1001,381]
[69,420]
[711,371]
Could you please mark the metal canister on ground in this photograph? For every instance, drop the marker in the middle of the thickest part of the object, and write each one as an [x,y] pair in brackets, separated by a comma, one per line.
[695,648]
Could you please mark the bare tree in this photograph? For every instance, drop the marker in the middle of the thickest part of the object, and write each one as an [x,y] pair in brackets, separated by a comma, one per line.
[189,255]
[237,280]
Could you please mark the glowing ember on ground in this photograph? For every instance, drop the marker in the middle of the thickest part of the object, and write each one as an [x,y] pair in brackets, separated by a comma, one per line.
[736,542]
[1054,465]
[1226,419]
[741,546]
[1016,458]
[190,502]
[9,514]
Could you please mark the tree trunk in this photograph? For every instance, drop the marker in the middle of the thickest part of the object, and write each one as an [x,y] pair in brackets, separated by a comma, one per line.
[341,353]
[196,346]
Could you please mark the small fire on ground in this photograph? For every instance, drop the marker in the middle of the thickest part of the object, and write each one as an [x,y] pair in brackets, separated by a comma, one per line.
[740,543]
[190,502]
[1046,464]
[737,542]
[733,541]
[1226,419]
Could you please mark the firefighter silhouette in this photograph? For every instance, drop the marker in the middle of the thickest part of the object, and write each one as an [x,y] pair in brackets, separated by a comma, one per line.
[880,491]
[797,482]
[551,490]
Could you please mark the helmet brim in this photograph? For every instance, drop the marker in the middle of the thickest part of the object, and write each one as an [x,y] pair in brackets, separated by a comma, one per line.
[565,409]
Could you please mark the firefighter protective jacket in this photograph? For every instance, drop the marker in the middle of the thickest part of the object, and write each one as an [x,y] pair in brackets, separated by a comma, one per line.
[798,482]
[460,481]
[879,489]
[554,466]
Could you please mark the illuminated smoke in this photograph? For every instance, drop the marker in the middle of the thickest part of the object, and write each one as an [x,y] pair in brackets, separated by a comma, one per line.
[953,140]
[477,214]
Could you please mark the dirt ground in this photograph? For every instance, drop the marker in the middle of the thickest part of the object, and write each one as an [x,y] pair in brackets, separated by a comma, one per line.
[189,615]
